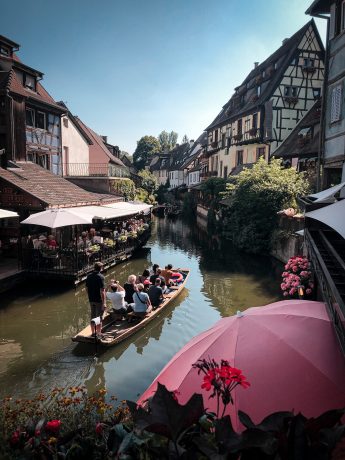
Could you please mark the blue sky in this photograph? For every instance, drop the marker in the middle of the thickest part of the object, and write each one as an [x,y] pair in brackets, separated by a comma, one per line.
[135,67]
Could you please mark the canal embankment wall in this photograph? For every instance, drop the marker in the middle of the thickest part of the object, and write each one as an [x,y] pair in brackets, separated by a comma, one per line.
[286,242]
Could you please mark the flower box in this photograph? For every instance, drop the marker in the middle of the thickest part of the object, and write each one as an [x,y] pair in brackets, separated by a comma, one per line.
[291,99]
[238,137]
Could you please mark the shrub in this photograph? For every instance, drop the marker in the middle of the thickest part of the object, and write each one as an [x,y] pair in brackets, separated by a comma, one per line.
[256,195]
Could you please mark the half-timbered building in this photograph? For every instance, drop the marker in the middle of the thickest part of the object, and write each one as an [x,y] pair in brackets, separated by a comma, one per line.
[268,104]
[332,151]
[30,128]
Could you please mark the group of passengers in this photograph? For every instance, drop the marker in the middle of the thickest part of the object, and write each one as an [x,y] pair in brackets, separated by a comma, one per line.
[140,294]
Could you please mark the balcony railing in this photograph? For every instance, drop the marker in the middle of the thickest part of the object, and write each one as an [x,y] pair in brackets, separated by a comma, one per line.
[94,170]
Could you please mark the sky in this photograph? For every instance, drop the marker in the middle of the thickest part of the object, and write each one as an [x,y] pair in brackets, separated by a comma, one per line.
[130,68]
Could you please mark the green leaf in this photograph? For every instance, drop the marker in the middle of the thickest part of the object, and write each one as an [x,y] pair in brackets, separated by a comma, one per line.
[166,416]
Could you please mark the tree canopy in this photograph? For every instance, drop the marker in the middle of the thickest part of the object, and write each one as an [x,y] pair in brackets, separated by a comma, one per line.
[146,147]
[167,140]
[255,197]
[148,181]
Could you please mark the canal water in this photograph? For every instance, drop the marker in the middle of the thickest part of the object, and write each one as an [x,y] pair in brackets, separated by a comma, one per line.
[38,320]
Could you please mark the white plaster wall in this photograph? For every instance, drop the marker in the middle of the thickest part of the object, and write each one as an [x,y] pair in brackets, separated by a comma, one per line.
[78,149]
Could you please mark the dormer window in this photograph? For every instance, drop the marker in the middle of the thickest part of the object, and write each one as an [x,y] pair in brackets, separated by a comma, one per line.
[30,82]
[4,51]
[258,90]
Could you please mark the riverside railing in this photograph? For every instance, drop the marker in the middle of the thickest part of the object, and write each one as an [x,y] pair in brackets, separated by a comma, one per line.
[74,263]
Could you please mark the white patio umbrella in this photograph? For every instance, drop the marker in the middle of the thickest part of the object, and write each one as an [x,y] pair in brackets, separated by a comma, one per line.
[55,218]
[4,214]
[332,215]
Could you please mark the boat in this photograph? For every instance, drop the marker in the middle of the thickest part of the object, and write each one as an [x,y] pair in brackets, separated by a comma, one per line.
[116,330]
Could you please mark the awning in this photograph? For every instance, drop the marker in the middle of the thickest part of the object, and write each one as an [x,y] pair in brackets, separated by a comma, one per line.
[326,195]
[63,217]
[4,214]
[332,215]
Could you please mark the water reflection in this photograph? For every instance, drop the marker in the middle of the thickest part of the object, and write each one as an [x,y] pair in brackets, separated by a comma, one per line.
[37,321]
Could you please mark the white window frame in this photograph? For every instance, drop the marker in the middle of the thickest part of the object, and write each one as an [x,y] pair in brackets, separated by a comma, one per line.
[336,103]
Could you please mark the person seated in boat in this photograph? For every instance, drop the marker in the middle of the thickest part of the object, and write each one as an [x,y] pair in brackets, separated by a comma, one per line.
[166,273]
[145,276]
[156,294]
[158,274]
[130,288]
[154,269]
[42,242]
[142,303]
[116,294]
[147,285]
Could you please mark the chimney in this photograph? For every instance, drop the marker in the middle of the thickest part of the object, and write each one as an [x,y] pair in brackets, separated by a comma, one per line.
[284,41]
[105,139]
[191,142]
[256,65]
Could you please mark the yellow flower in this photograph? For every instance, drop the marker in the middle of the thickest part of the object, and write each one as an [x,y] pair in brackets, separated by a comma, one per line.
[52,440]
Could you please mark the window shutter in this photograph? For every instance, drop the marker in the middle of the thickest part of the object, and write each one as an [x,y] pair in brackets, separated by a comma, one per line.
[336,103]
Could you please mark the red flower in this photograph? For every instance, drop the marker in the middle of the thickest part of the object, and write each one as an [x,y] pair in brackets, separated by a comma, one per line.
[53,426]
[99,428]
[209,379]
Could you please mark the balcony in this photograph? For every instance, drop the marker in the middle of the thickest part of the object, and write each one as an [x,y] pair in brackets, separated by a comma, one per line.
[238,137]
[94,170]
[208,174]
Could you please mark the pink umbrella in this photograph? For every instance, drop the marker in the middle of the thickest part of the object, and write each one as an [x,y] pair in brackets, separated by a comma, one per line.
[287,350]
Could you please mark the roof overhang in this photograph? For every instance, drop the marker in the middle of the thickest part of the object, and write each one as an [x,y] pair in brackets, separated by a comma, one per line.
[319,7]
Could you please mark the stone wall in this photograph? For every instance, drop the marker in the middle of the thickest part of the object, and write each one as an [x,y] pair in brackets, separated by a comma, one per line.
[286,243]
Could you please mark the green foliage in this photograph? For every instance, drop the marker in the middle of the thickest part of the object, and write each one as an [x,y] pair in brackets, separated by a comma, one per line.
[161,194]
[146,147]
[213,188]
[148,181]
[87,427]
[189,205]
[256,195]
[143,195]
[124,187]
[167,140]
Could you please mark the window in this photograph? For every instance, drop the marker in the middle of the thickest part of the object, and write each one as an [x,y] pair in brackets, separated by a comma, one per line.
[258,90]
[225,172]
[239,126]
[290,91]
[30,82]
[239,157]
[294,61]
[308,63]
[247,125]
[216,135]
[41,120]
[336,104]
[30,117]
[223,141]
[4,51]
[260,152]
[317,93]
[255,121]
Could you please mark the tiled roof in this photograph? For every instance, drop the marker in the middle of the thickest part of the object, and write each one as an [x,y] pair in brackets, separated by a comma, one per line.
[282,58]
[12,84]
[178,156]
[50,189]
[292,146]
[98,145]
[240,168]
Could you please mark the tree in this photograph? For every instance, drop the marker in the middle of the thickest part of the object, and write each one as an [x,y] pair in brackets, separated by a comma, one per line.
[148,181]
[167,140]
[124,187]
[185,139]
[127,155]
[146,147]
[255,197]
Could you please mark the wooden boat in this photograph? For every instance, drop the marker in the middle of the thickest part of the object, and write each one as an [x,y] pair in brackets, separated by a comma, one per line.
[115,330]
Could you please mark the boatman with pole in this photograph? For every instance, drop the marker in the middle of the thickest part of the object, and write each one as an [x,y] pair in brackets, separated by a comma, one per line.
[97,298]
